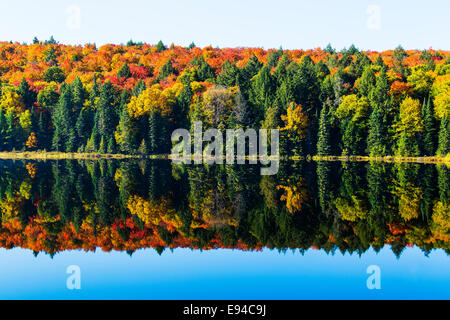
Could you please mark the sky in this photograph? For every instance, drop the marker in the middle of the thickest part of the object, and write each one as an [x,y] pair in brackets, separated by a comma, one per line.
[292,24]
[224,274]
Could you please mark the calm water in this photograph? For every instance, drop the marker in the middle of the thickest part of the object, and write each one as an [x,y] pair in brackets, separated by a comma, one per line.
[140,229]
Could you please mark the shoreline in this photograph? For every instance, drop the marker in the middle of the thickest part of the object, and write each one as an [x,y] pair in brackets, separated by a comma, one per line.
[35,155]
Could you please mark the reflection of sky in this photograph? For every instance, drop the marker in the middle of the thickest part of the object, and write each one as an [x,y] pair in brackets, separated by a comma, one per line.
[224,274]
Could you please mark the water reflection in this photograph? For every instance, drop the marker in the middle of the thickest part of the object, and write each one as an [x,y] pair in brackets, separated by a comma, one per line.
[132,204]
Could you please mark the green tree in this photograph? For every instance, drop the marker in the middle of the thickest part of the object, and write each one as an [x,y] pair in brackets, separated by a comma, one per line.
[54,74]
[28,95]
[323,141]
[444,137]
[124,72]
[429,136]
[166,70]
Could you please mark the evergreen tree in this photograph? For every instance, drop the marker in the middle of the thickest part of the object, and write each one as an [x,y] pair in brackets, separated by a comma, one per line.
[138,88]
[376,140]
[444,137]
[106,112]
[9,138]
[154,133]
[160,47]
[126,129]
[62,121]
[28,96]
[3,129]
[367,82]
[429,129]
[83,127]
[42,131]
[263,90]
[228,75]
[124,72]
[323,141]
[166,70]
[377,133]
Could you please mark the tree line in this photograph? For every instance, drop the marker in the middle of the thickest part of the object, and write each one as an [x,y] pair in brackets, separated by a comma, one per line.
[129,98]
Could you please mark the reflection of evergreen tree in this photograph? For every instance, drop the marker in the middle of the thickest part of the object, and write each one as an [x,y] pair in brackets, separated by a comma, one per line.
[429,191]
[324,185]
[378,181]
[444,183]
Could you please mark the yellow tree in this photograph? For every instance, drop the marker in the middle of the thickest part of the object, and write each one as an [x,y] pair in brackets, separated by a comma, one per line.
[32,141]
[295,128]
[408,126]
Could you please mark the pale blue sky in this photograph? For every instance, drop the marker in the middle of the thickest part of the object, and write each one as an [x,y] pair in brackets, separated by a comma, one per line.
[251,23]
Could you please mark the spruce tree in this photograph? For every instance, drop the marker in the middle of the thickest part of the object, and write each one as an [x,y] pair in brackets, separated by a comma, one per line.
[228,75]
[127,142]
[42,130]
[444,137]
[62,121]
[376,140]
[2,130]
[138,88]
[28,96]
[154,130]
[106,112]
[429,129]
[323,141]
[166,70]
[124,72]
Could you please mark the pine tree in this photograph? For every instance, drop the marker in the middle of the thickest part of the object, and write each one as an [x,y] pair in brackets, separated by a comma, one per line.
[228,75]
[166,70]
[160,47]
[126,129]
[62,121]
[83,127]
[2,130]
[42,131]
[106,112]
[92,144]
[138,88]
[367,82]
[444,137]
[376,140]
[28,96]
[111,149]
[102,146]
[323,141]
[124,72]
[154,133]
[429,129]
[263,89]
[9,137]
[377,132]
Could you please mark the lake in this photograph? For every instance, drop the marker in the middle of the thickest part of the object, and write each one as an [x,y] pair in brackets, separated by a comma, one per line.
[150,229]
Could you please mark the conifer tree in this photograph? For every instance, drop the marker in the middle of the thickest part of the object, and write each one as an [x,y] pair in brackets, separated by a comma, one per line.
[62,121]
[376,140]
[106,113]
[166,70]
[323,141]
[154,130]
[429,129]
[444,137]
[28,96]
[124,72]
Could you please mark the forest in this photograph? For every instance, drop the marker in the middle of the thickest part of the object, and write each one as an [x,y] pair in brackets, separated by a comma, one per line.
[132,204]
[127,99]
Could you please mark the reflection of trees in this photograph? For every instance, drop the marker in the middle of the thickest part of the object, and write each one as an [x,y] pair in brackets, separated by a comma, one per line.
[132,204]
